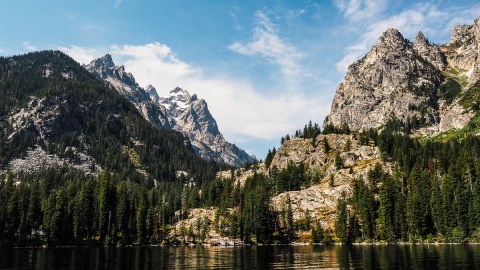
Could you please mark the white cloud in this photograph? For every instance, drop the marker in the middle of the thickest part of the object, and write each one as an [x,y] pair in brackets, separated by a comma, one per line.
[267,43]
[81,54]
[29,46]
[155,63]
[242,111]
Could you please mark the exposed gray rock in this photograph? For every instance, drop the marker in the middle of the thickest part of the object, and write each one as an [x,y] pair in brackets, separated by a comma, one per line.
[389,81]
[401,80]
[38,159]
[429,52]
[190,115]
[463,51]
[43,120]
[125,84]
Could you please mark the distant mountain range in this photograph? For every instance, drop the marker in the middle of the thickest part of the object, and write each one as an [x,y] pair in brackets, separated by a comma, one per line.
[179,111]
[55,114]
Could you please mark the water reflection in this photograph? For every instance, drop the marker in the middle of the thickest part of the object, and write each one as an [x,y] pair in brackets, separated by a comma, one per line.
[263,257]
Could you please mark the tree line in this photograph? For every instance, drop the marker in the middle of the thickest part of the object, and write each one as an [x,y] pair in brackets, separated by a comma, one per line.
[432,194]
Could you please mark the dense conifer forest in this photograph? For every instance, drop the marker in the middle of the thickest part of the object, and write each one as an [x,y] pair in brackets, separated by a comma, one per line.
[432,194]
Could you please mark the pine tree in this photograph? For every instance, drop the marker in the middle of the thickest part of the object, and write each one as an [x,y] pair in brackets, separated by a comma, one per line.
[289,217]
[338,161]
[106,200]
[341,226]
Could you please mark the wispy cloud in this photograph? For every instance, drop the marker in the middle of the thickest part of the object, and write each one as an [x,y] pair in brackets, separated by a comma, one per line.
[118,3]
[234,15]
[267,43]
[357,10]
[243,112]
[88,27]
[29,46]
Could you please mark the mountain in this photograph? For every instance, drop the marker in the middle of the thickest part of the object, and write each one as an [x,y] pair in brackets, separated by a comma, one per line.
[125,84]
[431,88]
[190,115]
[54,113]
[179,111]
[375,183]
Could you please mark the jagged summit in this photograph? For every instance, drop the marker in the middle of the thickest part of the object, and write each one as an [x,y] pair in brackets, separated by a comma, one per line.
[429,52]
[152,91]
[190,115]
[392,35]
[53,123]
[104,61]
[391,39]
[410,82]
[420,39]
[179,111]
[125,84]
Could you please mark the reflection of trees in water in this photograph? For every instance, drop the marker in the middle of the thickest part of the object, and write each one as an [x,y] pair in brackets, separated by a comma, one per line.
[249,257]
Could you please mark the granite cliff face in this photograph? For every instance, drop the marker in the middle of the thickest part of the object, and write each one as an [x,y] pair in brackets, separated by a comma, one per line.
[190,115]
[319,200]
[410,81]
[463,49]
[179,111]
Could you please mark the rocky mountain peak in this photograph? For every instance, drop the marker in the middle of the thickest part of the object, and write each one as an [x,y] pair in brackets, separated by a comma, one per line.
[391,42]
[464,49]
[461,35]
[104,61]
[429,52]
[152,91]
[125,84]
[190,115]
[181,95]
[392,39]
[406,81]
[421,40]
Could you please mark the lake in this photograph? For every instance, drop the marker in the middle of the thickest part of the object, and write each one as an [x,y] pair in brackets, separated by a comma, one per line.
[249,257]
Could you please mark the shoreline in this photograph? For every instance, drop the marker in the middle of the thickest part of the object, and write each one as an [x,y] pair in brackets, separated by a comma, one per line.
[248,245]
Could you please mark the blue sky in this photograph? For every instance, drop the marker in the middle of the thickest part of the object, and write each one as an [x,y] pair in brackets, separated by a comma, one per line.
[265,67]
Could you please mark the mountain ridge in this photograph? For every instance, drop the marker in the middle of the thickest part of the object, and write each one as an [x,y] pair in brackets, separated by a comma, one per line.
[409,81]
[54,113]
[179,111]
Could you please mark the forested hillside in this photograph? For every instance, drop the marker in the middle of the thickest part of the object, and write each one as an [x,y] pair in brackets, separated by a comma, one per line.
[69,144]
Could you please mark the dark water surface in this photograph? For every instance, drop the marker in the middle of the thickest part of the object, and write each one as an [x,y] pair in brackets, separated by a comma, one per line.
[264,257]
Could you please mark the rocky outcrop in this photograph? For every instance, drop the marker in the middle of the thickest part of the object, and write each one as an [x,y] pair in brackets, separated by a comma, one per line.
[463,50]
[404,81]
[43,120]
[201,226]
[38,159]
[319,200]
[179,111]
[240,175]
